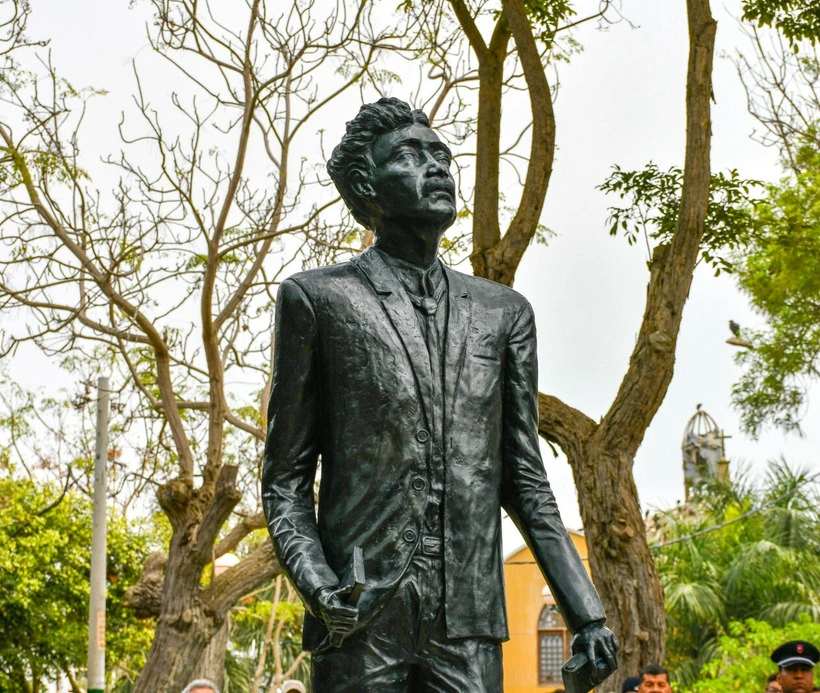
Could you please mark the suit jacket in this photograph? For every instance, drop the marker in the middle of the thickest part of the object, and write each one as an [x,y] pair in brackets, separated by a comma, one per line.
[352,384]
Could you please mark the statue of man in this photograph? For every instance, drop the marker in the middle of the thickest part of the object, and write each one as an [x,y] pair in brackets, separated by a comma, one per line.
[416,386]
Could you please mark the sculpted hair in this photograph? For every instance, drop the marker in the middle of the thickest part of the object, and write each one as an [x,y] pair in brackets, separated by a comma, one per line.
[351,158]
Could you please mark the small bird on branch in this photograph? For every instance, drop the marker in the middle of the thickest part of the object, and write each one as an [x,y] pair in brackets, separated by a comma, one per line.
[736,339]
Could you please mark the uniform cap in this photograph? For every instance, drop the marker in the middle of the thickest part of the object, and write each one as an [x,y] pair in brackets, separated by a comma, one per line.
[631,684]
[795,652]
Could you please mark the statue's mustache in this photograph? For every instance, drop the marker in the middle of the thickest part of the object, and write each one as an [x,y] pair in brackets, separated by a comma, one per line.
[437,184]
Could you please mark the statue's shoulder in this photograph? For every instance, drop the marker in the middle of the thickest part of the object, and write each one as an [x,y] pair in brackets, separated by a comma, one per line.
[321,278]
[488,291]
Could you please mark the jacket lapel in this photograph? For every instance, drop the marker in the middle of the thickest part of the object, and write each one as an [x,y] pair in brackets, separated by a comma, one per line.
[402,316]
[458,330]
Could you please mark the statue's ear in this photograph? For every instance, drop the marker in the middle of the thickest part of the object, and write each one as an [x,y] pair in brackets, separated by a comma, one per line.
[360,185]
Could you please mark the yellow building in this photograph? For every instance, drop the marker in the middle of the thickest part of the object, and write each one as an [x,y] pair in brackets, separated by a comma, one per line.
[539,640]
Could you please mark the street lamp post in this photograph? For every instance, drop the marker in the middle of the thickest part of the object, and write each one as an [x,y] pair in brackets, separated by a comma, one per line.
[96,610]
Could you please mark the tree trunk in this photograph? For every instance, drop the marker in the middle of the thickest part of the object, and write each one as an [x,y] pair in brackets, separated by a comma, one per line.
[495,256]
[602,455]
[622,567]
[183,630]
[616,536]
[190,615]
[23,681]
[211,664]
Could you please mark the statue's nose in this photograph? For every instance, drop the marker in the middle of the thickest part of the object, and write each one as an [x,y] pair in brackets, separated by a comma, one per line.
[435,166]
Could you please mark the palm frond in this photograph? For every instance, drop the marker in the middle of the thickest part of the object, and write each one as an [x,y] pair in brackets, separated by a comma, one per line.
[696,601]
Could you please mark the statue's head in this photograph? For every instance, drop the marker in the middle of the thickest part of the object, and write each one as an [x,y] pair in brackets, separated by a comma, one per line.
[390,163]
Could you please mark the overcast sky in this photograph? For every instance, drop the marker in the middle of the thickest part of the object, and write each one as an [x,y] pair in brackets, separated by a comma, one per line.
[621,101]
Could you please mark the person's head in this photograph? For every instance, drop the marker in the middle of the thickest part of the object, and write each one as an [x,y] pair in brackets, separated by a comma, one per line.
[391,166]
[630,683]
[772,684]
[292,686]
[795,662]
[201,686]
[654,679]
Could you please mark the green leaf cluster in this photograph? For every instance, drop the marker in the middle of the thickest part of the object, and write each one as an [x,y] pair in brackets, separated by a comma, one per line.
[796,20]
[653,204]
[45,540]
[780,273]
[547,16]
[738,552]
[741,661]
[249,621]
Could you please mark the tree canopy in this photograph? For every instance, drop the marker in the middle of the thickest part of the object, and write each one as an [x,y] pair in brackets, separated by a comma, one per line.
[740,663]
[45,540]
[777,264]
[739,551]
[780,273]
[794,19]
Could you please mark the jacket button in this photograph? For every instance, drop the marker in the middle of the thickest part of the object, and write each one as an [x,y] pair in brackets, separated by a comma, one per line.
[409,536]
[418,484]
[422,436]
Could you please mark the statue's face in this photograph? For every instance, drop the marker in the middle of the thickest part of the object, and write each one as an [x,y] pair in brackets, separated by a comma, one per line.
[412,178]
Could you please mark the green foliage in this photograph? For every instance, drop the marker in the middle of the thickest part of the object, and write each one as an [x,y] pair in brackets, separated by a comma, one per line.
[249,622]
[780,273]
[796,20]
[762,562]
[547,16]
[45,539]
[543,235]
[741,661]
[653,203]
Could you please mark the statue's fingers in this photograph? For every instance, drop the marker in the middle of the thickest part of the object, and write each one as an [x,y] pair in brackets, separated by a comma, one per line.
[591,651]
[609,656]
[347,623]
[342,629]
[345,616]
[607,648]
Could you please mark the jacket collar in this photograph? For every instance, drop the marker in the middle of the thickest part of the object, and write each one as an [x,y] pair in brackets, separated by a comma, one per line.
[402,316]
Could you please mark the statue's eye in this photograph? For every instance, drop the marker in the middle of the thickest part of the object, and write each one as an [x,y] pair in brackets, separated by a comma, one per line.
[405,154]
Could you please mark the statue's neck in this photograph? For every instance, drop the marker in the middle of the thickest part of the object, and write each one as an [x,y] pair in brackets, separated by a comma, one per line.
[420,250]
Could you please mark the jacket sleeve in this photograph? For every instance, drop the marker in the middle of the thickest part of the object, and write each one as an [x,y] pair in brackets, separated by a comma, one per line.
[526,494]
[293,444]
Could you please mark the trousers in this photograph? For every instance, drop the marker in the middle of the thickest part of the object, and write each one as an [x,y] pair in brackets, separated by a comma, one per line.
[405,649]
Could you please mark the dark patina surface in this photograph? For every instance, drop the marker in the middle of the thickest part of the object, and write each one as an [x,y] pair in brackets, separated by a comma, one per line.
[417,387]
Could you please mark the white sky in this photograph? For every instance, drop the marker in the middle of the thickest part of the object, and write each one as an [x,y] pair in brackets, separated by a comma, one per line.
[621,101]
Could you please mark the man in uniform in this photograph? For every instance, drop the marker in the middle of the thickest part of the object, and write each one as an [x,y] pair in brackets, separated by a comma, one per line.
[630,684]
[417,387]
[795,663]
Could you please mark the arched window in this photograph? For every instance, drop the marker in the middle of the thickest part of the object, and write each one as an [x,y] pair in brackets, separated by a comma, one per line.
[553,645]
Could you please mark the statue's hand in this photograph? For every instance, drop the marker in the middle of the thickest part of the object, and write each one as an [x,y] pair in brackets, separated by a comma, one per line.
[600,646]
[340,618]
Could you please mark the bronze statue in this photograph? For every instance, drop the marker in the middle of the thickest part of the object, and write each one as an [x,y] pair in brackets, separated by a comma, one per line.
[416,386]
